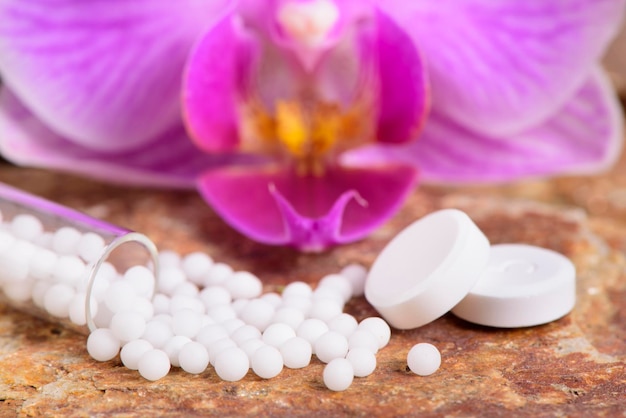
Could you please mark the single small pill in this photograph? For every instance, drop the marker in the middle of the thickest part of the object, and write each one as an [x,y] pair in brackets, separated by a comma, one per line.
[301,303]
[69,269]
[325,309]
[65,240]
[193,358]
[154,365]
[218,274]
[215,295]
[169,278]
[363,361]
[258,312]
[133,351]
[26,226]
[169,259]
[197,266]
[238,305]
[144,307]
[377,327]
[344,323]
[173,346]
[273,299]
[128,325]
[119,296]
[362,338]
[328,293]
[339,284]
[289,316]
[39,292]
[12,270]
[356,275]
[19,291]
[42,264]
[7,240]
[57,300]
[311,329]
[276,334]
[180,302]
[300,289]
[102,345]
[267,362]
[244,285]
[161,303]
[141,279]
[296,353]
[330,346]
[222,313]
[245,333]
[90,246]
[424,359]
[158,333]
[232,325]
[338,375]
[232,364]
[218,346]
[187,289]
[186,322]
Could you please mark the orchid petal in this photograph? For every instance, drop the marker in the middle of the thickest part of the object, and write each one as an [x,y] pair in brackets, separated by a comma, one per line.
[169,160]
[499,67]
[276,206]
[585,136]
[103,74]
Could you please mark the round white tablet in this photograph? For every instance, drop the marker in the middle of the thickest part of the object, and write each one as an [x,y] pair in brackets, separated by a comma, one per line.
[427,269]
[424,359]
[338,374]
[522,286]
[154,365]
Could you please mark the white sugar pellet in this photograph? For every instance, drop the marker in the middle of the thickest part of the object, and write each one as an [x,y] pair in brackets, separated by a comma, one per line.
[197,266]
[19,291]
[244,285]
[133,351]
[65,240]
[301,303]
[158,333]
[25,226]
[330,345]
[102,345]
[222,313]
[218,274]
[210,334]
[69,269]
[12,269]
[328,293]
[363,339]
[232,325]
[239,304]
[296,353]
[154,365]
[218,346]
[379,328]
[42,264]
[338,375]
[215,295]
[363,361]
[90,247]
[57,300]
[206,320]
[169,259]
[245,333]
[311,329]
[273,299]
[144,307]
[267,362]
[186,322]
[297,289]
[103,317]
[119,296]
[77,312]
[325,309]
[424,359]
[289,316]
[163,317]
[39,293]
[169,278]
[128,325]
[180,302]
[6,240]
[339,284]
[161,303]
[193,358]
[44,240]
[250,346]
[276,334]
[356,275]
[258,312]
[187,289]
[141,279]
[232,364]
[173,346]
[344,323]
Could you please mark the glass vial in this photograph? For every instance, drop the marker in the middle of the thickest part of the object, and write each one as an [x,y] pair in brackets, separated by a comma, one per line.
[65,266]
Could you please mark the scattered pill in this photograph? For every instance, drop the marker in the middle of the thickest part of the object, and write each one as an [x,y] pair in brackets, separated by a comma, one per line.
[424,359]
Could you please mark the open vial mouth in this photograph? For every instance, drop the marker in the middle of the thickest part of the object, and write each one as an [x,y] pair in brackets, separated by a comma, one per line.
[62,265]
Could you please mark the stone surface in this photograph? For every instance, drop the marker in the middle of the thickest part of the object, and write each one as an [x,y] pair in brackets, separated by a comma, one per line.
[575,366]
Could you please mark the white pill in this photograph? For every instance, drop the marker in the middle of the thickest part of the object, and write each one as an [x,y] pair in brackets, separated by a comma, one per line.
[103,317]
[128,325]
[339,284]
[250,346]
[356,275]
[362,338]
[44,240]
[331,345]
[57,300]
[169,259]
[39,292]
[522,286]
[244,285]
[25,226]
[133,351]
[7,240]
[216,348]
[290,316]
[222,313]
[232,364]
[102,345]
[232,325]
[338,374]
[311,329]
[267,362]
[69,269]
[276,334]
[327,293]
[90,247]
[296,353]
[77,312]
[210,334]
[187,289]
[119,297]
[186,322]
[173,346]
[154,365]
[344,323]
[239,304]
[144,307]
[377,327]
[297,289]
[161,303]
[65,240]
[158,333]
[12,269]
[218,274]
[301,303]
[169,278]
[245,333]
[19,291]
[141,279]
[197,266]
[180,302]
[42,264]
[258,313]
[424,359]
[193,358]
[215,295]
[363,361]
[272,298]
[325,309]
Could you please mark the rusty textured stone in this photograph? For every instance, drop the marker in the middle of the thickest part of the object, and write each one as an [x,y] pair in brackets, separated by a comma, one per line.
[575,366]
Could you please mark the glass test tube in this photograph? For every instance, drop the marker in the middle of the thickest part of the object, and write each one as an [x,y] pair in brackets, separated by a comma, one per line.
[57,263]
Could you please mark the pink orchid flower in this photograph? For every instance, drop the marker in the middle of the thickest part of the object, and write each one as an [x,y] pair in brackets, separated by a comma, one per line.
[297,119]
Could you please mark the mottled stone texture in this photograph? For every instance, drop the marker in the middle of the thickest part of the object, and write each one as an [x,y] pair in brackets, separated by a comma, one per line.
[575,366]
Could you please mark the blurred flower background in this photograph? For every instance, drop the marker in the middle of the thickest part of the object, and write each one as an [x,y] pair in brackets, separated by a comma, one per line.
[308,122]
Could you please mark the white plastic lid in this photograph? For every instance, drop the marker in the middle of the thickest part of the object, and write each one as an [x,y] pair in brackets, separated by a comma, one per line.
[427,269]
[522,286]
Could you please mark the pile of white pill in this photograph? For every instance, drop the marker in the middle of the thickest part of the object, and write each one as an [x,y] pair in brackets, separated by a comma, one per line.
[198,314]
